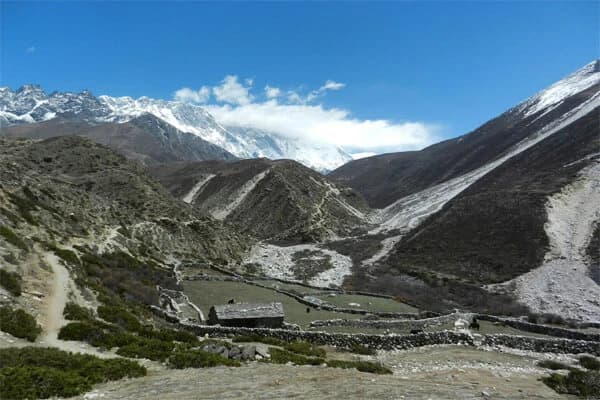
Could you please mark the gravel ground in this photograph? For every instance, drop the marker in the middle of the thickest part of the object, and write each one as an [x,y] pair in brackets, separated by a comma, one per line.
[435,372]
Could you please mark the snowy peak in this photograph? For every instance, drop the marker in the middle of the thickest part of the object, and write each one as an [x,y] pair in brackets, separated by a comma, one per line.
[30,104]
[551,97]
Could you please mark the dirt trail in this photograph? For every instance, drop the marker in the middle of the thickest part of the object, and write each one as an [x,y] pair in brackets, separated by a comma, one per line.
[58,296]
[56,300]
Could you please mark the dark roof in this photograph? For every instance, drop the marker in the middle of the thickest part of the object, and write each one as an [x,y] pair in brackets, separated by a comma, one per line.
[246,310]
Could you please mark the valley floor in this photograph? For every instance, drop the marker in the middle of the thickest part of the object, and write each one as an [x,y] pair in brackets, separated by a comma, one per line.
[434,372]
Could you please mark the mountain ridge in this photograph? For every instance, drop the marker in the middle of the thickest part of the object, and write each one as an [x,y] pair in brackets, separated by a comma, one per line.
[30,104]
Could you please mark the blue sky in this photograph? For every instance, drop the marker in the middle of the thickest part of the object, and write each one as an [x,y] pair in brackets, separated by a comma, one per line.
[449,66]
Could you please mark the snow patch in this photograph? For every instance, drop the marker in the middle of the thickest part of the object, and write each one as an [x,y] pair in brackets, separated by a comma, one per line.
[577,82]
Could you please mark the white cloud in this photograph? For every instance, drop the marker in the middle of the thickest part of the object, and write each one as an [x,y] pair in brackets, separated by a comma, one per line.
[333,126]
[292,114]
[192,96]
[332,85]
[30,50]
[272,92]
[364,154]
[232,92]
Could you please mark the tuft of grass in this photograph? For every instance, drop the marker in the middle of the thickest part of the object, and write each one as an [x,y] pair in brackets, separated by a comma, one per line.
[198,359]
[362,366]
[279,356]
[580,383]
[10,281]
[33,372]
[590,363]
[75,312]
[12,238]
[366,351]
[19,324]
[304,348]
[553,365]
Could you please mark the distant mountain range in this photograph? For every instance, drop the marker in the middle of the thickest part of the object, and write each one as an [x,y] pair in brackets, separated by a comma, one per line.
[30,104]
[504,219]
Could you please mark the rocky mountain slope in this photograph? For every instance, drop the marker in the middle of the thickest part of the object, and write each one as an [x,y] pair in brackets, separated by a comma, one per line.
[479,209]
[272,200]
[70,202]
[146,138]
[30,104]
[465,215]
[386,178]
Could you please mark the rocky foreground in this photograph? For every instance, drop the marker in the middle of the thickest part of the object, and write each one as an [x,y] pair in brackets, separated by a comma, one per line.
[433,372]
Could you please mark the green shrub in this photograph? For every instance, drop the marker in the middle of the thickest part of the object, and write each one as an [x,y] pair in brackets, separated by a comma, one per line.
[67,255]
[33,372]
[553,365]
[12,237]
[169,335]
[577,382]
[198,359]
[96,333]
[90,332]
[40,383]
[121,317]
[589,362]
[75,312]
[19,324]
[279,356]
[10,281]
[362,366]
[151,349]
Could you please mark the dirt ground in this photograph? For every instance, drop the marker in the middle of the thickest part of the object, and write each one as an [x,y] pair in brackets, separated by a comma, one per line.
[435,372]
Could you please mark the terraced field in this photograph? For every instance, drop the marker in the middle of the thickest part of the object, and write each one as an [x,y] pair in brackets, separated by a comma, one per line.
[208,293]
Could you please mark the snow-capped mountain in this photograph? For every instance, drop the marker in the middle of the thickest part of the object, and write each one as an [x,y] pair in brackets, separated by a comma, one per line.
[30,104]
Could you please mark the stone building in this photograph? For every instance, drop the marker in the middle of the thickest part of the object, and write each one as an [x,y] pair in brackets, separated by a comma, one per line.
[265,315]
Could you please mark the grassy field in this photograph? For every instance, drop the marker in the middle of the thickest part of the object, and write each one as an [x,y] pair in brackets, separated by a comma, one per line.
[368,303]
[208,293]
[290,287]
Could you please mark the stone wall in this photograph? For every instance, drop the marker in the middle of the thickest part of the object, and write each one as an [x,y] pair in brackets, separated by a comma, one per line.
[542,329]
[542,345]
[344,340]
[392,342]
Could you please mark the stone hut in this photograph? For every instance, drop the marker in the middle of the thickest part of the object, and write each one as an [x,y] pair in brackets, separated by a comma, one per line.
[265,315]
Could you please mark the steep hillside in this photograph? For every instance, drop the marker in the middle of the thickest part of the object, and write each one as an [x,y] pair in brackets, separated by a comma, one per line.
[272,200]
[499,205]
[78,215]
[386,178]
[146,138]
